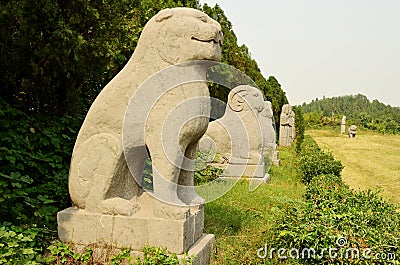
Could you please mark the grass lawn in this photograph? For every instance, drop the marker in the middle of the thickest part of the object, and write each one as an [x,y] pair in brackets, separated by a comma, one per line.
[241,220]
[371,160]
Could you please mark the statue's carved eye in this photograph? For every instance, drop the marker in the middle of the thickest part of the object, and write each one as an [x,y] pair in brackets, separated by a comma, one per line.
[203,19]
[255,95]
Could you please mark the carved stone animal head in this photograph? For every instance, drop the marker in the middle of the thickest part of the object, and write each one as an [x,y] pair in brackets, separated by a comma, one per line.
[246,98]
[184,34]
[267,111]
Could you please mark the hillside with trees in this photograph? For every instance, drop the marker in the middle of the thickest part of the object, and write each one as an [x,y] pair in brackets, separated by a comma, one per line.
[358,109]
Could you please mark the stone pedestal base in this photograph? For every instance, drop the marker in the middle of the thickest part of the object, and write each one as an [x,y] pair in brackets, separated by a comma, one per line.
[201,251]
[84,228]
[179,229]
[234,170]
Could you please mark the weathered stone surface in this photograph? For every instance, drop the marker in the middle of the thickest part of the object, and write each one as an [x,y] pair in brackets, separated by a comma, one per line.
[269,135]
[84,228]
[202,249]
[99,179]
[110,207]
[343,125]
[268,129]
[286,130]
[352,131]
[236,138]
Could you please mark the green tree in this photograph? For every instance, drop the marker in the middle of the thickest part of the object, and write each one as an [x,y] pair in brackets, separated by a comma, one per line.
[300,126]
[57,55]
[358,109]
[240,58]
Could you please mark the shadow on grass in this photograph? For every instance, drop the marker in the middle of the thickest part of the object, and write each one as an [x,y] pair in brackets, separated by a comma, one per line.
[222,219]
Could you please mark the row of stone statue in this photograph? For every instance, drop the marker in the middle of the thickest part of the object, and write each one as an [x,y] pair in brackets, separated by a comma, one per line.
[243,140]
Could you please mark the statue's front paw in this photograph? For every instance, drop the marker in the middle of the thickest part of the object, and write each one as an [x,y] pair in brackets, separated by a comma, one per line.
[128,209]
[119,206]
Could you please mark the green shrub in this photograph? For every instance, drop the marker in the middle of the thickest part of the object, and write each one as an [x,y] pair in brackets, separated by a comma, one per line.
[312,161]
[21,245]
[156,255]
[332,211]
[34,161]
[300,126]
[204,172]
[61,253]
[336,217]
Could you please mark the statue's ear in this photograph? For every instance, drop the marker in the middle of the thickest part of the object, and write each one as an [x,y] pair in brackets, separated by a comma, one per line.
[236,101]
[164,14]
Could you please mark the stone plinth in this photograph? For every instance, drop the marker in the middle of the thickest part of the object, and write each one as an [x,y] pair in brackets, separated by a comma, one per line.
[202,251]
[85,228]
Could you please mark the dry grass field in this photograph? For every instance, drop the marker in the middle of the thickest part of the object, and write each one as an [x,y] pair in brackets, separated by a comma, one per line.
[371,160]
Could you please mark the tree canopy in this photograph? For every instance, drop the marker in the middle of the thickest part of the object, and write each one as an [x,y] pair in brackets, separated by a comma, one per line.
[358,109]
[240,58]
[56,56]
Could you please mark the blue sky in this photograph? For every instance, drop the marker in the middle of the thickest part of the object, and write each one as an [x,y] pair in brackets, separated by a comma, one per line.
[323,48]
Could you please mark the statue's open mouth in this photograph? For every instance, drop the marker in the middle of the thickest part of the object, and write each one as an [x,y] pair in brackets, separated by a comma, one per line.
[211,41]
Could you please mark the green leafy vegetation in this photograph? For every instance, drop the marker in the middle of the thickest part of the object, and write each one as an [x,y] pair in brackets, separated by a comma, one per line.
[20,245]
[300,127]
[61,253]
[242,220]
[204,172]
[34,156]
[335,216]
[358,109]
[56,56]
[240,58]
[312,162]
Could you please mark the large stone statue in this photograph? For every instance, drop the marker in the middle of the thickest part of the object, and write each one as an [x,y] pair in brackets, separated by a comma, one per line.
[237,136]
[343,125]
[287,129]
[352,131]
[99,179]
[109,205]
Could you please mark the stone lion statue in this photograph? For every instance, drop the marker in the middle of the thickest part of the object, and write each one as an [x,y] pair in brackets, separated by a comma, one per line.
[99,179]
[236,136]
